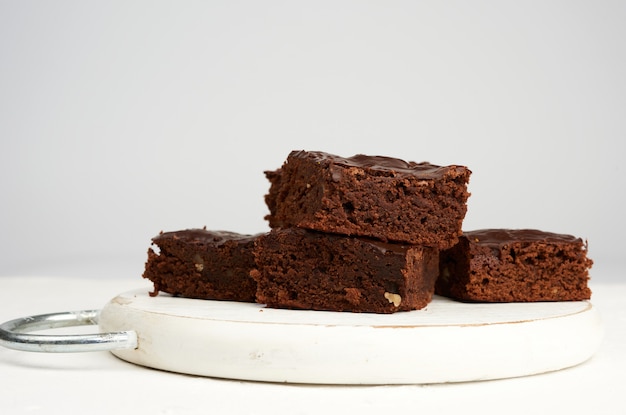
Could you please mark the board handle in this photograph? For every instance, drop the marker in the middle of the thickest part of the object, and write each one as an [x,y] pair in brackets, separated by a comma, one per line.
[14,334]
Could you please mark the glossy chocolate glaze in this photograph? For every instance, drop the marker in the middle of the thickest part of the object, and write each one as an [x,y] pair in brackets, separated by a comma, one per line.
[204,236]
[499,237]
[422,170]
[381,246]
[386,246]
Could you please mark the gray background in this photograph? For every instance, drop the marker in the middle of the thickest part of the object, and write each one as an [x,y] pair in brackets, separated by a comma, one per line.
[123,118]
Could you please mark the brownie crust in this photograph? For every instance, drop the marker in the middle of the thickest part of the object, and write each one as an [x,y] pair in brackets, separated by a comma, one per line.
[301,269]
[520,265]
[373,196]
[197,263]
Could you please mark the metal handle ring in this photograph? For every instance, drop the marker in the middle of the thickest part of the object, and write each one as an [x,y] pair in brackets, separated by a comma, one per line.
[13,334]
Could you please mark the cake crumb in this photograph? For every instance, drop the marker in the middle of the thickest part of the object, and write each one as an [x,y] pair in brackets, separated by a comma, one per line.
[353,295]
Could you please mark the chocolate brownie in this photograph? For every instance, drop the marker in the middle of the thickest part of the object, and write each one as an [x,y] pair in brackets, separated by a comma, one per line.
[504,265]
[197,263]
[373,196]
[302,269]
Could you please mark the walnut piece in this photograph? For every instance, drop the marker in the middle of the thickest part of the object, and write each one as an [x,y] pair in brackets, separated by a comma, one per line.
[393,298]
[198,262]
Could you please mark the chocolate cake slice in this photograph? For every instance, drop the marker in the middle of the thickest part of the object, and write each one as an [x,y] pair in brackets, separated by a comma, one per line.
[505,265]
[197,263]
[372,196]
[301,269]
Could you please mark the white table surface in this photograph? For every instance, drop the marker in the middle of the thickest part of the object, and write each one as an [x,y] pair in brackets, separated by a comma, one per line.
[100,383]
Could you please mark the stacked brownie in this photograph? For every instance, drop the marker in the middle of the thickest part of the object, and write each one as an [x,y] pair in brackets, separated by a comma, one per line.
[359,234]
[368,234]
[372,196]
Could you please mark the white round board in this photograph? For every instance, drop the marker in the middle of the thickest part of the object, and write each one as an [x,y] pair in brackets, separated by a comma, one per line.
[448,341]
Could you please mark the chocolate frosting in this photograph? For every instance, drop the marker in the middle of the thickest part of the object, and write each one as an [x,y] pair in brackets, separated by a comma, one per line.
[204,236]
[424,170]
[381,246]
[498,237]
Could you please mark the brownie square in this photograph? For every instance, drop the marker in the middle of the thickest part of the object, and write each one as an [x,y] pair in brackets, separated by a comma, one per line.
[373,196]
[197,263]
[504,265]
[301,269]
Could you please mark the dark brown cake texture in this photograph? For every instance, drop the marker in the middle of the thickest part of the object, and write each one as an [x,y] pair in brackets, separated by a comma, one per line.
[373,196]
[197,263]
[515,265]
[301,269]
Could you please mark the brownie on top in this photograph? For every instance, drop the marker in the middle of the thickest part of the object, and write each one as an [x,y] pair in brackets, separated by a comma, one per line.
[309,270]
[373,196]
[197,263]
[515,265]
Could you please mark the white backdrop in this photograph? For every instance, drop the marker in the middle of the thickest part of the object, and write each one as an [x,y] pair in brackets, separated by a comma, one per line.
[123,118]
